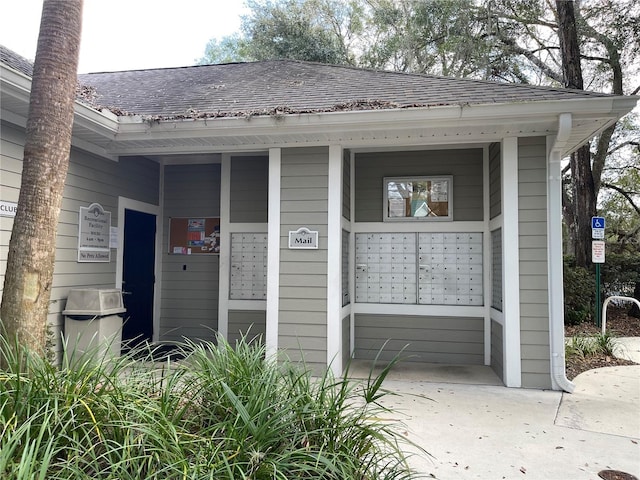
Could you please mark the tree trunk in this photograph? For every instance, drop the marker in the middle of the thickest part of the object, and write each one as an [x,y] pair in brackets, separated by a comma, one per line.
[584,204]
[583,198]
[29,274]
[569,47]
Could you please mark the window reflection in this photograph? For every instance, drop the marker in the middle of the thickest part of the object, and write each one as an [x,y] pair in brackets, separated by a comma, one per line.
[422,198]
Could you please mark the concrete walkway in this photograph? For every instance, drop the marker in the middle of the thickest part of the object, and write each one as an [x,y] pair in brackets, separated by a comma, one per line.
[487,431]
[491,432]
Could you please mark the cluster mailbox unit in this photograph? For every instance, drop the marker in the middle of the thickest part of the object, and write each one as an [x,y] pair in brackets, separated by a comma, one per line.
[424,268]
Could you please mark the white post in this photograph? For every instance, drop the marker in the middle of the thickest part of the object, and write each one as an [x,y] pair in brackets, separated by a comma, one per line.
[511,264]
[273,253]
[486,261]
[225,246]
[334,260]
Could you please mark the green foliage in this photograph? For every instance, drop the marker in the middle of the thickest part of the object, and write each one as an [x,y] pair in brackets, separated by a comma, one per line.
[620,273]
[229,49]
[296,29]
[579,293]
[220,413]
[447,37]
[585,346]
[619,276]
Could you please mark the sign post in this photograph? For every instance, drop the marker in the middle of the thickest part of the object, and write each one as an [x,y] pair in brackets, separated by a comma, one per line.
[597,257]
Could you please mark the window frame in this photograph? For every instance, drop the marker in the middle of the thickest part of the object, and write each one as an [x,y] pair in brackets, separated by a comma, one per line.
[406,179]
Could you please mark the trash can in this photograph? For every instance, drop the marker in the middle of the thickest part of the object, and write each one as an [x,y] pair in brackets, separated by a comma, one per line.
[93,321]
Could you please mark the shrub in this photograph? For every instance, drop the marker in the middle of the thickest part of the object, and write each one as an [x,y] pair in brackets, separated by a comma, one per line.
[579,293]
[221,413]
[586,346]
[620,273]
[619,276]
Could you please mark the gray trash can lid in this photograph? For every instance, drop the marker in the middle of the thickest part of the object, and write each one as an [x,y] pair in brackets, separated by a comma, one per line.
[94,301]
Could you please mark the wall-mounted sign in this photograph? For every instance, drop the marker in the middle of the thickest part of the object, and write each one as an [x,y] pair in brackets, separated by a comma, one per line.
[303,238]
[8,209]
[94,231]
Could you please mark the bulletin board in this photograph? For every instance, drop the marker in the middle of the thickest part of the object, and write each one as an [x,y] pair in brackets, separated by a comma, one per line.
[194,236]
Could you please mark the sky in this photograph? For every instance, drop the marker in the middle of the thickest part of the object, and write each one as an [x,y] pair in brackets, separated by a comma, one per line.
[129,34]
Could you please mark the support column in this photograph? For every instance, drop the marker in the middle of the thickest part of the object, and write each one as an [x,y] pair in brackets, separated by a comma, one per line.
[511,264]
[273,253]
[225,240]
[334,261]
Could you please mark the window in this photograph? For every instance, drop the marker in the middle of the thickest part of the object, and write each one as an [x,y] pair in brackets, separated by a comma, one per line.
[418,199]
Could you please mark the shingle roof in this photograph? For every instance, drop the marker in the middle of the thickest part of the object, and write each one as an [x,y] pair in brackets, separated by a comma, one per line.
[15,61]
[287,86]
[284,86]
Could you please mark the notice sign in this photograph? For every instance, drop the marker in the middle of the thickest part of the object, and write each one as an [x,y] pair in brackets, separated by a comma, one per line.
[94,232]
[597,251]
[8,209]
[194,236]
[303,238]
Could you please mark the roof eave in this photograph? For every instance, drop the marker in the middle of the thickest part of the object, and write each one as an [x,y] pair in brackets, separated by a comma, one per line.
[17,86]
[512,118]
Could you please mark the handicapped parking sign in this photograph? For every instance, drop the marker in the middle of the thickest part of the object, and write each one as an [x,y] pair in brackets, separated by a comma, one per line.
[597,222]
[597,228]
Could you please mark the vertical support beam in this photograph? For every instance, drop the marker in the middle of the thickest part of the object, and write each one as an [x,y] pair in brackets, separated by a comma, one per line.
[273,252]
[225,241]
[511,263]
[334,260]
[486,260]
[352,256]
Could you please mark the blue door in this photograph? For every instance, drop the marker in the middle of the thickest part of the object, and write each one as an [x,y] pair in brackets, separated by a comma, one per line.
[138,277]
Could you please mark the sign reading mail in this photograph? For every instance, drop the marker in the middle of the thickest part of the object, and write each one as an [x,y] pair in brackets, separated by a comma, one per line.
[303,238]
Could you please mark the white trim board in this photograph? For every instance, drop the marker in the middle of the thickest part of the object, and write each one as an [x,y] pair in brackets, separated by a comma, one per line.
[334,260]
[273,252]
[419,310]
[511,266]
[487,260]
[224,269]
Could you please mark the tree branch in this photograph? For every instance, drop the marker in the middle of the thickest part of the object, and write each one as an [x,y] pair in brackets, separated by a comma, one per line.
[511,45]
[624,194]
[600,156]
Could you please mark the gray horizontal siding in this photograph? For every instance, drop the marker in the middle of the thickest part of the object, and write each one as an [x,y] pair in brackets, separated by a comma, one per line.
[495,190]
[303,292]
[464,165]
[346,340]
[497,353]
[249,189]
[189,306]
[250,324]
[534,294]
[456,340]
[496,269]
[346,185]
[89,179]
[11,149]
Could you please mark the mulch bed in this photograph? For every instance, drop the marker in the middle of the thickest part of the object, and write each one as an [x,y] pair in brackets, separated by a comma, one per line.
[619,324]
